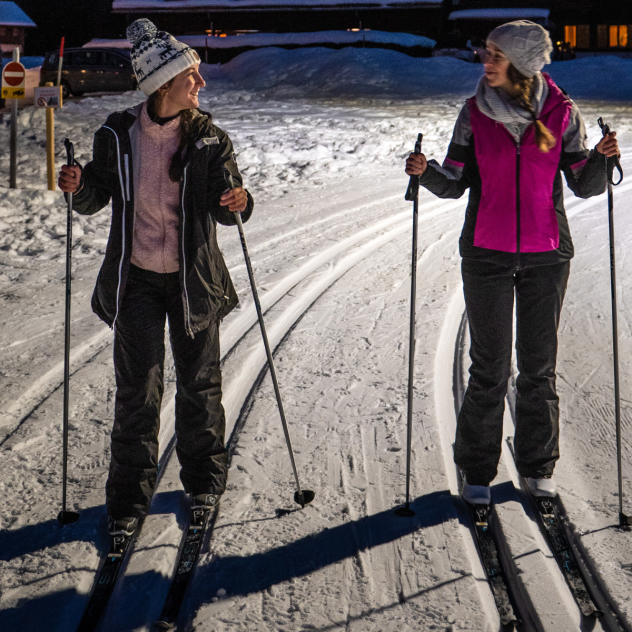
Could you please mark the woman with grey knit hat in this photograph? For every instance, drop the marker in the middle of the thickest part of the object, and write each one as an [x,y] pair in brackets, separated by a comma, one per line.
[512,141]
[164,165]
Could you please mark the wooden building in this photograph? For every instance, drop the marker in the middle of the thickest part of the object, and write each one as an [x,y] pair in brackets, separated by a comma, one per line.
[13,23]
[596,26]
[229,17]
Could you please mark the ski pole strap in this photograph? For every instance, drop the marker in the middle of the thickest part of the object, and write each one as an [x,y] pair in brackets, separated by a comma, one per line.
[612,164]
[413,184]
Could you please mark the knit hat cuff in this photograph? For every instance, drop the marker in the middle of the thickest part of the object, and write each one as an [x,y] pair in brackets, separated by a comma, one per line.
[171,67]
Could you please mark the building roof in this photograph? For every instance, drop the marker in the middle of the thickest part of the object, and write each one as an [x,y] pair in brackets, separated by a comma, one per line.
[259,40]
[137,6]
[500,14]
[12,15]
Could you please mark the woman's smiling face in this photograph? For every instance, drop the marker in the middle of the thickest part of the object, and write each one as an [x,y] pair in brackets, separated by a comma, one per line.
[496,66]
[183,93]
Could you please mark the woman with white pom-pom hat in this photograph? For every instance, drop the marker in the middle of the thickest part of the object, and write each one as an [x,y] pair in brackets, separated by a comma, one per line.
[164,166]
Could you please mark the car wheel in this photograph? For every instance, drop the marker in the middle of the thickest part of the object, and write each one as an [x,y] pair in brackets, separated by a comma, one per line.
[65,90]
[77,94]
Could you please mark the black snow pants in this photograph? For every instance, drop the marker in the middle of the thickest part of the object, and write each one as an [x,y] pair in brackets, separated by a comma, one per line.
[139,352]
[489,298]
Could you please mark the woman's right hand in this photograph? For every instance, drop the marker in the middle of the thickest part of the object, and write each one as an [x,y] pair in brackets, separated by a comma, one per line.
[416,164]
[69,178]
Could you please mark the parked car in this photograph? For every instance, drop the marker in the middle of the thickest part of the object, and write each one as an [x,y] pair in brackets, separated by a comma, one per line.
[90,70]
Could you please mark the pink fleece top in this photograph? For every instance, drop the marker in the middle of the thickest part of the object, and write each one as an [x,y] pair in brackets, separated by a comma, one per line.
[156,197]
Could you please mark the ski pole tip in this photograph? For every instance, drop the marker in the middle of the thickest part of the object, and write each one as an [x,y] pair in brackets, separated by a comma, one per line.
[305,497]
[67,517]
[405,512]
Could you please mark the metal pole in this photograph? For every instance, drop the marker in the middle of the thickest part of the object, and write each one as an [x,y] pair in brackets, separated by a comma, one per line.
[624,521]
[305,496]
[411,194]
[13,141]
[66,517]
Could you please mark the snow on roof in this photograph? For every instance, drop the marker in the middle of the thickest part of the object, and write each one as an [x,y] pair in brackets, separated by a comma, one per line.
[108,43]
[259,40]
[499,14]
[123,6]
[12,15]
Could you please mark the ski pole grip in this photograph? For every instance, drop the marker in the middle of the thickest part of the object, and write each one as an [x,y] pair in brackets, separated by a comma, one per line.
[70,153]
[612,164]
[413,184]
[228,179]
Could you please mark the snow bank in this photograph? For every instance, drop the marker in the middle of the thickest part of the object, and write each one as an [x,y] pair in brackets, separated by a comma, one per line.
[343,73]
[389,74]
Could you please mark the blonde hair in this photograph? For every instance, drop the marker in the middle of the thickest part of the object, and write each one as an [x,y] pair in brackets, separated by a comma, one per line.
[524,85]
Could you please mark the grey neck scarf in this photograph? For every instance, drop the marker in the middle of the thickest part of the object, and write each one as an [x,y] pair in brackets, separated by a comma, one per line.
[499,106]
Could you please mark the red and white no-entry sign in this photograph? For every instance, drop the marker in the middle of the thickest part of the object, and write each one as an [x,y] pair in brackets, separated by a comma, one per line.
[13,74]
[13,81]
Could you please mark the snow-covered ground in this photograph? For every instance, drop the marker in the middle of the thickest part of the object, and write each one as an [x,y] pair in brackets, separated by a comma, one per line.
[321,137]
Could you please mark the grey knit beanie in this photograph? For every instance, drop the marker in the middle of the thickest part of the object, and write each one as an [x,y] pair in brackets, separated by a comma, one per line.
[527,45]
[157,56]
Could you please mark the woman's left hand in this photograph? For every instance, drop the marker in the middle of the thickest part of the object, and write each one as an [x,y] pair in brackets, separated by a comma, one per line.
[235,199]
[608,145]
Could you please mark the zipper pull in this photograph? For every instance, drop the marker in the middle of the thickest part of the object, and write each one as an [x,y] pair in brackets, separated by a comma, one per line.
[518,147]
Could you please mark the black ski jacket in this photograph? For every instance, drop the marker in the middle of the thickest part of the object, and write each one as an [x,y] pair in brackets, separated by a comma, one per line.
[207,290]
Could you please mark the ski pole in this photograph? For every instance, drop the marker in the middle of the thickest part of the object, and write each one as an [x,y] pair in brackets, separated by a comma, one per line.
[301,496]
[66,517]
[412,194]
[624,521]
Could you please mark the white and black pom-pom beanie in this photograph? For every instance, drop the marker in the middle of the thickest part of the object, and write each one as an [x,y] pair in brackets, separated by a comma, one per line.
[526,45]
[157,56]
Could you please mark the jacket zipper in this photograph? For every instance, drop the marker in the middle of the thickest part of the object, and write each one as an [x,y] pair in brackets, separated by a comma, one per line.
[187,323]
[120,271]
[126,157]
[518,205]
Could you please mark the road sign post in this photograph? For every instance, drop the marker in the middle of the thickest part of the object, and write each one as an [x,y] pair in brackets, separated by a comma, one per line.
[13,88]
[49,97]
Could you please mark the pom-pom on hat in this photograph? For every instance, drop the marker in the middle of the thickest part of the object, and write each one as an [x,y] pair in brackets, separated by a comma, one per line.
[526,45]
[157,56]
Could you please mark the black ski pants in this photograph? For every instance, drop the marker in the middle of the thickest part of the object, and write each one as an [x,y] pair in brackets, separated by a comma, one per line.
[489,298]
[139,353]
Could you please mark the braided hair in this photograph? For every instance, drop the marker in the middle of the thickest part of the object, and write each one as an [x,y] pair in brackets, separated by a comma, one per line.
[524,86]
[187,129]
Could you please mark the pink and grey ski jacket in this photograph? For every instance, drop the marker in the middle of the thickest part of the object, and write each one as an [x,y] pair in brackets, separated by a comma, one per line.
[515,215]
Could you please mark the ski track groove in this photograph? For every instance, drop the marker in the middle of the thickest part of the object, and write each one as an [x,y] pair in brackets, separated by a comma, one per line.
[240,389]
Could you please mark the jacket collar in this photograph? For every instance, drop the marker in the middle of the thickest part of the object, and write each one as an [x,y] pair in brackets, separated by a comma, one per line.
[555,98]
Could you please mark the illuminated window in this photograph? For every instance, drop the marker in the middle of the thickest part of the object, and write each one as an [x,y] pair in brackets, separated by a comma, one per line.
[618,36]
[570,35]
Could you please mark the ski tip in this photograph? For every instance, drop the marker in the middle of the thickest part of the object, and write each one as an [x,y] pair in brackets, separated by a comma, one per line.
[305,497]
[67,517]
[164,625]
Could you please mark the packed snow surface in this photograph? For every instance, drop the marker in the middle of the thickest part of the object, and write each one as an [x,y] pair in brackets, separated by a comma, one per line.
[322,151]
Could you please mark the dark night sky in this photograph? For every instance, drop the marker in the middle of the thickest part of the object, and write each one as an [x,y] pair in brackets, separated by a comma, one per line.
[78,20]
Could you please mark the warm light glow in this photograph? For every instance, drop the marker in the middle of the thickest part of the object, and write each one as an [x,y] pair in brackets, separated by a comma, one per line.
[623,35]
[570,35]
[222,35]
[618,36]
[614,36]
